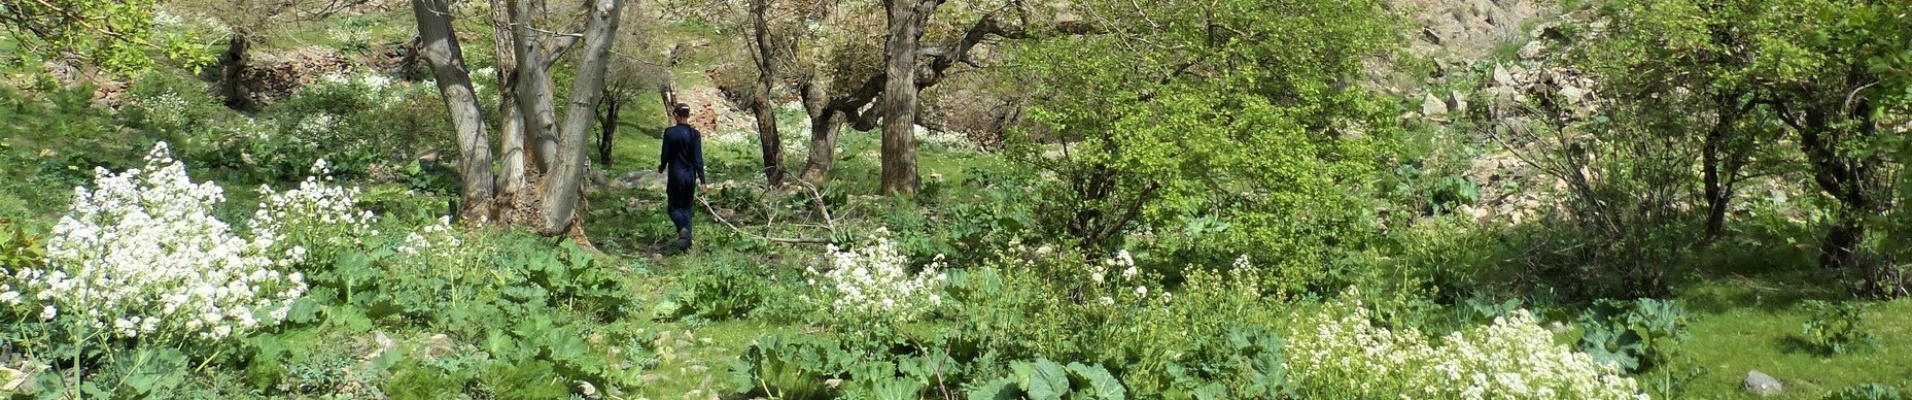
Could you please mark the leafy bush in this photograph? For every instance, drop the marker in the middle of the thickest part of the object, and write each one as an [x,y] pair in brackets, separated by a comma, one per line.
[720,290]
[1338,353]
[1048,380]
[1636,336]
[1869,391]
[141,256]
[1836,328]
[1221,146]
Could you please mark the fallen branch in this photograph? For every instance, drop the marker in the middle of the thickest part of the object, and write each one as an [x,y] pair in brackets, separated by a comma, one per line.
[733,227]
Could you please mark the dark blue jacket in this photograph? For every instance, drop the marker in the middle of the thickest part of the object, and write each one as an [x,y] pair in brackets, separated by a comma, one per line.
[683,155]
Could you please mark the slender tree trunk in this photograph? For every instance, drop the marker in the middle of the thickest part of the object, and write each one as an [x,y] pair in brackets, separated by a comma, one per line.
[612,104]
[535,98]
[563,189]
[899,94]
[454,82]
[824,124]
[762,106]
[513,182]
[1719,183]
[232,70]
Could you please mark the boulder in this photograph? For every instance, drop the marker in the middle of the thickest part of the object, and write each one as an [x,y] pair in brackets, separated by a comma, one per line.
[1761,384]
[1433,106]
[1532,50]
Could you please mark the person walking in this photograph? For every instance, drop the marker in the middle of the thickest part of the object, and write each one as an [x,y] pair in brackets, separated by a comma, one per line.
[683,163]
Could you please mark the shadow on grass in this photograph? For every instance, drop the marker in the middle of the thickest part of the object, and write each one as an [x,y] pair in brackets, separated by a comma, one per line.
[1759,263]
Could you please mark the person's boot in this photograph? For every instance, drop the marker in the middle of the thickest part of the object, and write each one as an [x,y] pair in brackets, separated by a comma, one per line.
[683,240]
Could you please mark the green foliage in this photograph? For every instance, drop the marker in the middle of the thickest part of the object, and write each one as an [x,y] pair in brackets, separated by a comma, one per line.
[722,289]
[1870,391]
[112,34]
[1637,335]
[1836,328]
[789,368]
[1048,380]
[1212,142]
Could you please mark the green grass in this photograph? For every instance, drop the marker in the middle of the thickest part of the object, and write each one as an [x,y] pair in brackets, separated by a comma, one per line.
[1759,328]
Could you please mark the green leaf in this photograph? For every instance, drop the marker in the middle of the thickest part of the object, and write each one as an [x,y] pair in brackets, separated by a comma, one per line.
[999,389]
[1043,380]
[1104,385]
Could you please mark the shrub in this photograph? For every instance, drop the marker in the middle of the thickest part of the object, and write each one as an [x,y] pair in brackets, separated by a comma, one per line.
[141,255]
[1635,335]
[1869,391]
[1836,328]
[1339,353]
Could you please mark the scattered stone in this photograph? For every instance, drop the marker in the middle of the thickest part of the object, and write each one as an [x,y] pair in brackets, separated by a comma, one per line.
[1762,384]
[13,380]
[1433,106]
[587,390]
[1428,33]
[1502,77]
[438,345]
[1573,94]
[1532,50]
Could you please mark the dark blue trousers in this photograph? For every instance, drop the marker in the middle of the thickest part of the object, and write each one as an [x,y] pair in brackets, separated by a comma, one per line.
[679,193]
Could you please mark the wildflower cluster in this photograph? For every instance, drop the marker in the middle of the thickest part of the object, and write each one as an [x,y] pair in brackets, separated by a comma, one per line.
[141,255]
[316,215]
[1514,358]
[875,280]
[1118,278]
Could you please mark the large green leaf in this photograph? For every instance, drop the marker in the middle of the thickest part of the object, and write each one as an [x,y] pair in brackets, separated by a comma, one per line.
[1103,385]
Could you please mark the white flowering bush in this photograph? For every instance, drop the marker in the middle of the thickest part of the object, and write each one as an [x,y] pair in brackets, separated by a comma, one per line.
[875,280]
[141,255]
[1340,352]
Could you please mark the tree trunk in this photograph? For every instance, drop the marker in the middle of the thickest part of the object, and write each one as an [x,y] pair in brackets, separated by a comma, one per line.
[762,106]
[899,94]
[232,70]
[513,182]
[454,82]
[563,185]
[609,123]
[535,98]
[824,124]
[1719,178]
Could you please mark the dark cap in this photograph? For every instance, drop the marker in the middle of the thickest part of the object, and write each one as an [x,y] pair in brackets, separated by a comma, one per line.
[682,108]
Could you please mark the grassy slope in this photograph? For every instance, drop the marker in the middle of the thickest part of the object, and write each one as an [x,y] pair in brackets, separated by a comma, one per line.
[1739,323]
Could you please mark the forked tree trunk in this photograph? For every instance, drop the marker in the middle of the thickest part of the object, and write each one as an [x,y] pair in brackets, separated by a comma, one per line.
[824,124]
[563,186]
[899,94]
[454,82]
[762,106]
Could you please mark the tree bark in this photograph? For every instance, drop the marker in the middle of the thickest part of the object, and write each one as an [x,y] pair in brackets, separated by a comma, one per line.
[612,104]
[454,82]
[513,182]
[535,98]
[232,69]
[825,122]
[899,94]
[563,189]
[762,106]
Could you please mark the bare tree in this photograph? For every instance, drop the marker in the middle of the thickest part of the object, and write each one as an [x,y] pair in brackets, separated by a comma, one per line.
[560,154]
[907,18]
[454,82]
[761,104]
